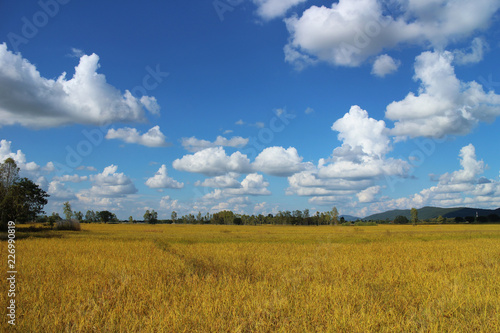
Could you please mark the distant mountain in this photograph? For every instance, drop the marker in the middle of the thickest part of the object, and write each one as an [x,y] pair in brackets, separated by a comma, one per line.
[350,218]
[433,212]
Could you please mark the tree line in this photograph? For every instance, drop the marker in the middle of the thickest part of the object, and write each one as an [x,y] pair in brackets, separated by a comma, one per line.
[296,217]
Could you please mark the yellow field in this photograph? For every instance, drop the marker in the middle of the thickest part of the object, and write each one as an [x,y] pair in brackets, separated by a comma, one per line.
[179,278]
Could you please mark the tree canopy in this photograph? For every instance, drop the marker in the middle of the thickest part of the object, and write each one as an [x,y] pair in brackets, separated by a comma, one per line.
[21,200]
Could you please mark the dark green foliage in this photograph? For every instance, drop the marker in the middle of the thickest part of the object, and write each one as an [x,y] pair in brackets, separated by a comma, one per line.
[401,220]
[493,218]
[106,216]
[470,219]
[150,217]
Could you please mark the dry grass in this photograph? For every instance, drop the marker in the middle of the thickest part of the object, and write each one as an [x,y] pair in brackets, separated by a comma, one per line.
[177,278]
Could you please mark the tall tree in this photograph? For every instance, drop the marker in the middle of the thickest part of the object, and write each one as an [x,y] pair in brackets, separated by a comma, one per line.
[9,173]
[414,216]
[173,216]
[68,213]
[90,216]
[334,214]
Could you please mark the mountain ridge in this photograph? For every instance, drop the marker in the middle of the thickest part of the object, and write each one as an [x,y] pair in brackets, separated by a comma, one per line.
[429,212]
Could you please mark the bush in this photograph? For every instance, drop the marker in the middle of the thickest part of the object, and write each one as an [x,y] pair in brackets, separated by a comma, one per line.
[68,225]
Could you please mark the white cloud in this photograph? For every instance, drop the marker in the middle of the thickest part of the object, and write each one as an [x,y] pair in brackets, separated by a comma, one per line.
[355,166]
[19,157]
[49,167]
[193,145]
[351,31]
[471,168]
[463,187]
[151,104]
[225,181]
[29,99]
[58,191]
[253,184]
[168,203]
[278,161]
[270,9]
[384,65]
[309,110]
[5,153]
[357,129]
[162,180]
[152,138]
[369,194]
[444,105]
[70,178]
[213,162]
[474,55]
[108,184]
[76,53]
[329,200]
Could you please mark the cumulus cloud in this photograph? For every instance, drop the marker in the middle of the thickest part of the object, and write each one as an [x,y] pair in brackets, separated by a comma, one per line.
[213,162]
[357,129]
[235,198]
[355,166]
[193,144]
[29,99]
[58,191]
[444,105]
[384,65]
[278,161]
[225,181]
[168,203]
[152,138]
[162,180]
[270,9]
[369,194]
[253,184]
[108,184]
[463,187]
[350,31]
[19,157]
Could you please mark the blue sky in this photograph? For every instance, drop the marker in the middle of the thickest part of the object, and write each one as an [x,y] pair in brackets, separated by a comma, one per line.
[253,105]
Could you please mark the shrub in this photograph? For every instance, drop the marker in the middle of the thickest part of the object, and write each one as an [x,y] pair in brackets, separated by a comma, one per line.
[68,225]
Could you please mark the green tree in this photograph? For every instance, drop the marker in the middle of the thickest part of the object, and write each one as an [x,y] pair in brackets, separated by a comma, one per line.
[90,216]
[68,213]
[54,218]
[414,216]
[130,219]
[150,216]
[78,216]
[441,219]
[401,220]
[22,201]
[9,173]
[173,216]
[154,217]
[105,216]
[334,215]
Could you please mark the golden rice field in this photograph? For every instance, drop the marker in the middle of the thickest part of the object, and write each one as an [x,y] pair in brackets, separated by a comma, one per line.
[202,278]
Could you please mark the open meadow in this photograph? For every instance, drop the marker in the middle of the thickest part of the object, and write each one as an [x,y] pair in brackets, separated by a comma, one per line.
[205,278]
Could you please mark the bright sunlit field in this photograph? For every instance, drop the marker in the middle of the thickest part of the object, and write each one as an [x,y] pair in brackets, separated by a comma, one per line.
[202,278]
